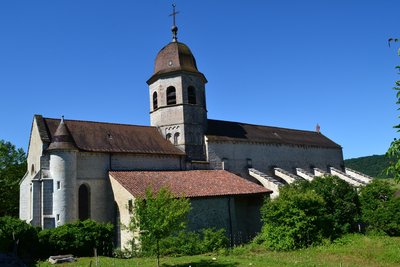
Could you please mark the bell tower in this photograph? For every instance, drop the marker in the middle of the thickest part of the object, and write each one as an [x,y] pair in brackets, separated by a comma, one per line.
[177,97]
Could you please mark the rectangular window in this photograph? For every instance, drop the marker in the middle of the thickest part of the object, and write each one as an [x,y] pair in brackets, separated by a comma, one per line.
[58,184]
[58,217]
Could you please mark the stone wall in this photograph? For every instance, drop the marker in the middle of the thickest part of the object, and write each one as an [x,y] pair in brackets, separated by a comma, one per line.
[122,198]
[33,168]
[238,215]
[238,157]
[92,170]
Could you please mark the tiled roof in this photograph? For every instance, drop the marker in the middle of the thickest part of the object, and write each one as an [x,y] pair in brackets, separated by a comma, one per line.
[197,183]
[242,132]
[111,137]
[172,58]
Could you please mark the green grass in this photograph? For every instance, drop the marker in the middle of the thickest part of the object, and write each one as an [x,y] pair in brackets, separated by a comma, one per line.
[351,250]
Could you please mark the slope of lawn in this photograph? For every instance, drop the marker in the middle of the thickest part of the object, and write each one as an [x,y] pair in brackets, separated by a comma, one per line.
[351,250]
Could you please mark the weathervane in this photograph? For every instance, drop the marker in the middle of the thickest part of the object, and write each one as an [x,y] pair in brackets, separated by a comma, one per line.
[174,28]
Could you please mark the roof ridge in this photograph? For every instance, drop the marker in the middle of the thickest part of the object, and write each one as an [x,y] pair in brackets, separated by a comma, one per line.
[122,124]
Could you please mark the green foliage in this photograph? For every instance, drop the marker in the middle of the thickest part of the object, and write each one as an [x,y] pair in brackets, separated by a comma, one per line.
[374,166]
[192,243]
[12,169]
[380,208]
[306,213]
[79,238]
[17,234]
[293,220]
[393,152]
[341,202]
[157,217]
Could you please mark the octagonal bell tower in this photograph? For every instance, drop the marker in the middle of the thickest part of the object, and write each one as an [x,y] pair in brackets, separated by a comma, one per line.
[177,98]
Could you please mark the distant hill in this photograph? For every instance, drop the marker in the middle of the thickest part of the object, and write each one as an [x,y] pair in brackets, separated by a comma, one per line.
[373,166]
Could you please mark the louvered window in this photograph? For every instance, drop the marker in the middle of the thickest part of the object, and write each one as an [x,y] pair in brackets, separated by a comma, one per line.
[155,101]
[171,95]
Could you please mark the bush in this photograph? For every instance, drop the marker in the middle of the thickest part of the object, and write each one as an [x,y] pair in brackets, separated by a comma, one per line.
[188,243]
[380,208]
[306,213]
[17,234]
[78,238]
[294,220]
[341,202]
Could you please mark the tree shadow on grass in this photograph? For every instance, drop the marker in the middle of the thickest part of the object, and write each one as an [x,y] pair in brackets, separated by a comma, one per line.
[202,263]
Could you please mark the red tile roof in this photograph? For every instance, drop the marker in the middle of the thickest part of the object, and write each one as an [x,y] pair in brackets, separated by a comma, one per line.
[110,137]
[243,132]
[197,183]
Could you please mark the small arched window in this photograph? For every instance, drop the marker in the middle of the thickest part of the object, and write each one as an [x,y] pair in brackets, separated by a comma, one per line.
[176,136]
[191,95]
[155,101]
[168,136]
[171,95]
[84,202]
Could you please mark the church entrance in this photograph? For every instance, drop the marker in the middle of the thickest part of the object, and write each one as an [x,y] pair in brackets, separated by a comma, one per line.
[84,202]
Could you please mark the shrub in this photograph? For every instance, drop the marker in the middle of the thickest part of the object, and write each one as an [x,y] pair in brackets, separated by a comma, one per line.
[341,202]
[78,238]
[188,243]
[17,234]
[380,208]
[306,213]
[294,220]
[213,240]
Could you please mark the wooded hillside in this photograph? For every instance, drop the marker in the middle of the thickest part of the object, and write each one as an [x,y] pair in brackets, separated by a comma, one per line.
[373,166]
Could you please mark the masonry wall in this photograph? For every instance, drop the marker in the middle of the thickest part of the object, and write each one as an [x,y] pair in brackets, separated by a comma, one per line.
[122,198]
[238,157]
[33,167]
[238,215]
[92,170]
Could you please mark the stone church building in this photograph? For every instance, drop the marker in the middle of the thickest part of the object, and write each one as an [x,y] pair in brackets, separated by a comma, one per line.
[85,169]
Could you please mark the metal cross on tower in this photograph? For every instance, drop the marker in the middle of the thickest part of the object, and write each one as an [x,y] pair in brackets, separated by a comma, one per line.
[174,28]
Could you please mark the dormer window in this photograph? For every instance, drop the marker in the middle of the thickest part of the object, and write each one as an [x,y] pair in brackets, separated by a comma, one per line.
[171,95]
[191,95]
[155,101]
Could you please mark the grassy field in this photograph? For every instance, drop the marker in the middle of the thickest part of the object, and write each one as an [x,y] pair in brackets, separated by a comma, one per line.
[351,250]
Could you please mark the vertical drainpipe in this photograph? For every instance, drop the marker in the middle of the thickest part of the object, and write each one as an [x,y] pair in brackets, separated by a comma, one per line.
[230,221]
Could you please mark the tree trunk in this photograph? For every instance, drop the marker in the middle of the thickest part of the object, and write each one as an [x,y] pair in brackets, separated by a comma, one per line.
[158,254]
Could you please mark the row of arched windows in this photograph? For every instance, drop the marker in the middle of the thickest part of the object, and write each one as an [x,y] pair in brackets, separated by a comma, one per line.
[171,96]
[176,136]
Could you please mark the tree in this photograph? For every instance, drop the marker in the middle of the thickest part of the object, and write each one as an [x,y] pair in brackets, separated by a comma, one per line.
[293,220]
[393,152]
[342,204]
[305,213]
[380,208]
[12,169]
[158,216]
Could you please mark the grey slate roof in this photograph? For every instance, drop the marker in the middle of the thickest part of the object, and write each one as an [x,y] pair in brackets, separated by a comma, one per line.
[243,132]
[110,137]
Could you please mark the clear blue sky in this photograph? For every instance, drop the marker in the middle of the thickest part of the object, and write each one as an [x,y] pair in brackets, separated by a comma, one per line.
[287,63]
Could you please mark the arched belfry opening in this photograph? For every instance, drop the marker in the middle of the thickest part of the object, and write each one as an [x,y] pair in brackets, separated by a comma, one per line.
[171,95]
[84,202]
[155,101]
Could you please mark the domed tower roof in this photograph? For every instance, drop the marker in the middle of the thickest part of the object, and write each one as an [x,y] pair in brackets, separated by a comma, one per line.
[172,58]
[175,57]
[62,138]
